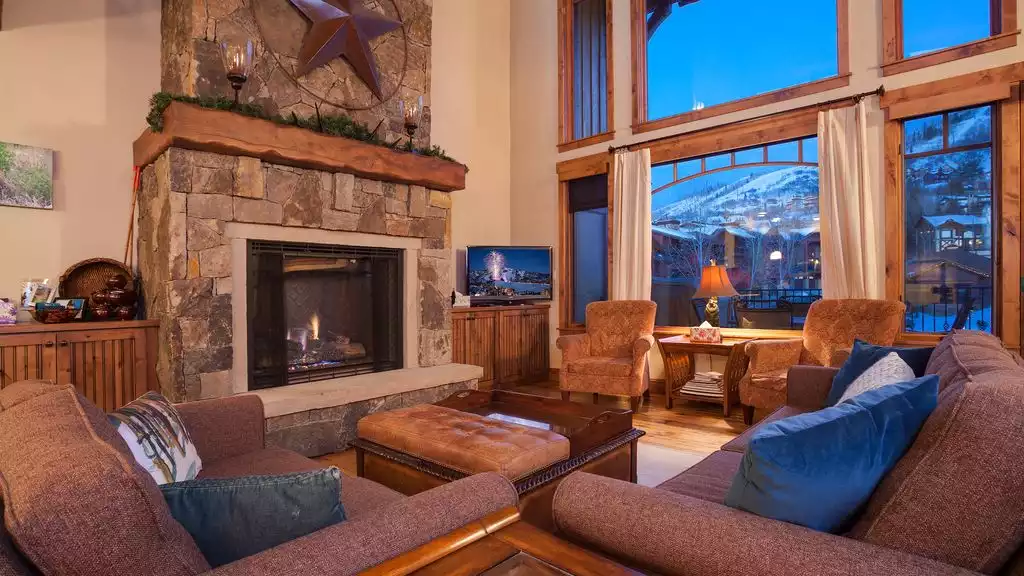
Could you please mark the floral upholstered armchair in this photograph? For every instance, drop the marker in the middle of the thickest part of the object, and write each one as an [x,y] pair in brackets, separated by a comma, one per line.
[829,332]
[611,358]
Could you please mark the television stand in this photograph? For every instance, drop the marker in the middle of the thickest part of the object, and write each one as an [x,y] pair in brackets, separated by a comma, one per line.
[509,342]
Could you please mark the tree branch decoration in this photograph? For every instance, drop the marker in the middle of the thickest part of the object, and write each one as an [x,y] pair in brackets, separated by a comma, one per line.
[330,124]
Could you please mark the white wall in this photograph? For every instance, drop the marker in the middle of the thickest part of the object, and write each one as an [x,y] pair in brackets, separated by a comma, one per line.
[75,77]
[471,119]
[535,101]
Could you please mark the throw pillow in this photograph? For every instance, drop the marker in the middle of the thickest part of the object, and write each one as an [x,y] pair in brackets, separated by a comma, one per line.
[157,437]
[889,370]
[233,518]
[818,469]
[864,355]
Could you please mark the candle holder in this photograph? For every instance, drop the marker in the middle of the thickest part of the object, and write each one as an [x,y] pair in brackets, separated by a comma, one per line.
[412,115]
[237,63]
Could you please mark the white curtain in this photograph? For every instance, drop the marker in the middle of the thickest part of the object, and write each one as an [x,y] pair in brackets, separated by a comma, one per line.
[852,201]
[631,228]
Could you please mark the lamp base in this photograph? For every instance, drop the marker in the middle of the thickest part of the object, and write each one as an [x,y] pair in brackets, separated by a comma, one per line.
[711,311]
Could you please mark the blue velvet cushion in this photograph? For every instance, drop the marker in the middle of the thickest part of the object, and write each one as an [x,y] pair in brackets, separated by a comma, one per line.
[233,518]
[864,356]
[818,469]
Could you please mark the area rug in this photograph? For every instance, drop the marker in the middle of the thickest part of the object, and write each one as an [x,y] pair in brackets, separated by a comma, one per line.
[656,464]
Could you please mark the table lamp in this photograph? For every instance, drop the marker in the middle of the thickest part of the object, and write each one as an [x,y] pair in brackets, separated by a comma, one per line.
[714,282]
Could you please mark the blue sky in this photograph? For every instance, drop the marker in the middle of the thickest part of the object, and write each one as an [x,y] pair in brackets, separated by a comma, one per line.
[716,51]
[531,259]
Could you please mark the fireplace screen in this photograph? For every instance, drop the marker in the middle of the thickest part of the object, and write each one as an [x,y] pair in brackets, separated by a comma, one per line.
[318,312]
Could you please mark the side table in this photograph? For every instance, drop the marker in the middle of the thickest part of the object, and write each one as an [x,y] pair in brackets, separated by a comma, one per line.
[677,353]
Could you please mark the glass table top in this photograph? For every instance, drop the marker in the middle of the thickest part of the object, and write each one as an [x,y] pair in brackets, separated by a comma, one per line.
[522,564]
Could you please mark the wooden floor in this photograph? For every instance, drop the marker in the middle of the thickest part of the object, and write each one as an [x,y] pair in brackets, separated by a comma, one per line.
[689,426]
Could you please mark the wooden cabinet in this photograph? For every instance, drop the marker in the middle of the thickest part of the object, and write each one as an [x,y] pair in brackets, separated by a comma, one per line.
[509,342]
[110,363]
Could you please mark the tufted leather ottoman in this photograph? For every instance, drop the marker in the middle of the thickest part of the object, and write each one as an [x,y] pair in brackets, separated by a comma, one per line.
[532,441]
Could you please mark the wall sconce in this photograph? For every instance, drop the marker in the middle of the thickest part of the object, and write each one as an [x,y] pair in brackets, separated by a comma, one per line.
[237,63]
[412,115]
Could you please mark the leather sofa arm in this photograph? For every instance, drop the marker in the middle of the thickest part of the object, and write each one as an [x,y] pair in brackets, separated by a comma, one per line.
[807,387]
[767,356]
[573,346]
[355,545]
[678,535]
[224,427]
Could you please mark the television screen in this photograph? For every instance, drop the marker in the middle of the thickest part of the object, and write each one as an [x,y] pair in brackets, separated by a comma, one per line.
[508,273]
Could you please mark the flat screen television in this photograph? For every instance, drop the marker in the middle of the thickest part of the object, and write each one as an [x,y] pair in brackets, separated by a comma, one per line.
[508,274]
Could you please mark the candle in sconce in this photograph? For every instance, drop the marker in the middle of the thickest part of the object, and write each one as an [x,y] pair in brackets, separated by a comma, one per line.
[237,59]
[412,114]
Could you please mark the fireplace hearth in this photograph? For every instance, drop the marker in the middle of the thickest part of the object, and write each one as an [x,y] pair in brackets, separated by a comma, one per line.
[319,312]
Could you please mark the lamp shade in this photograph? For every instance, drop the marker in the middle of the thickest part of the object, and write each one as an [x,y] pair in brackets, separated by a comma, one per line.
[714,281]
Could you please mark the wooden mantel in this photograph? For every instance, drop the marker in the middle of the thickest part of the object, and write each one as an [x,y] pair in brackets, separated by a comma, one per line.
[195,128]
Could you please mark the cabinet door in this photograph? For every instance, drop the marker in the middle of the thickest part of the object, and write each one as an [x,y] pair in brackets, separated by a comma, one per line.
[473,342]
[535,345]
[27,357]
[510,347]
[109,367]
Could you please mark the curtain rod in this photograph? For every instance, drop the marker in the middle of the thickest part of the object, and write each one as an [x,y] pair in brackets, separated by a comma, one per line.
[855,98]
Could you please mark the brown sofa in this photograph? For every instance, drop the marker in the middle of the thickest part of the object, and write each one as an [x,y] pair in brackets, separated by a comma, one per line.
[76,502]
[952,505]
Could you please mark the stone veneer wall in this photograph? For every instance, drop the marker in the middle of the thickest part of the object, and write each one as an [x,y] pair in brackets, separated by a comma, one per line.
[317,432]
[185,259]
[191,61]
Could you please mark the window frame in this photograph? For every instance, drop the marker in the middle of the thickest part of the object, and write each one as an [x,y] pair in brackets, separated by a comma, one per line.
[1006,181]
[566,66]
[638,40]
[1003,35]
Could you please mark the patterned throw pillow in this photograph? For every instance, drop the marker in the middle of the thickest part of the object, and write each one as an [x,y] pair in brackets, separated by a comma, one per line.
[157,438]
[891,369]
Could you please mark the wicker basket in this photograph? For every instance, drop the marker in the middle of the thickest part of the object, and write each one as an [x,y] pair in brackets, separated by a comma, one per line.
[88,276]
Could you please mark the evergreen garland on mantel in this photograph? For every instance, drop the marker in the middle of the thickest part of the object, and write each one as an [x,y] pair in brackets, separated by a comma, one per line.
[331,124]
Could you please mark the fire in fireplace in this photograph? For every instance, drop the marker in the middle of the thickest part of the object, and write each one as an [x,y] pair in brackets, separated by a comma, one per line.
[318,312]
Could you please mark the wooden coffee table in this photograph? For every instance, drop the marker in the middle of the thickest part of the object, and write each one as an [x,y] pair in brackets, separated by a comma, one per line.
[500,545]
[601,441]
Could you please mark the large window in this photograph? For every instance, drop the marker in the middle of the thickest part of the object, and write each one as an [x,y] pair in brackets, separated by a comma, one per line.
[585,64]
[919,33]
[588,213]
[949,220]
[754,211]
[698,55]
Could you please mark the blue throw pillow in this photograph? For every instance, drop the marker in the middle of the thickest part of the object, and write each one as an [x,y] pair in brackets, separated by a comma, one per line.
[232,518]
[864,356]
[818,469]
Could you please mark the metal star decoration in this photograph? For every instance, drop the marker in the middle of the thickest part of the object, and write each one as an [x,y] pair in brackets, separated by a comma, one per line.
[343,28]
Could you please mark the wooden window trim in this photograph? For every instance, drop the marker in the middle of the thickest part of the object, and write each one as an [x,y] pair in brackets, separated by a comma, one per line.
[593,165]
[567,104]
[1008,127]
[1003,35]
[638,42]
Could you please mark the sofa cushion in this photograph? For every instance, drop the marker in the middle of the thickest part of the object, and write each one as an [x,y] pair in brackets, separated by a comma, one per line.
[75,500]
[601,366]
[153,431]
[231,518]
[465,442]
[708,479]
[956,495]
[359,496]
[12,563]
[963,355]
[818,469]
[739,443]
[891,369]
[864,356]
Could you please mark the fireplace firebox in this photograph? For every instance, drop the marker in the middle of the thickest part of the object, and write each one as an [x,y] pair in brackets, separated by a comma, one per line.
[318,311]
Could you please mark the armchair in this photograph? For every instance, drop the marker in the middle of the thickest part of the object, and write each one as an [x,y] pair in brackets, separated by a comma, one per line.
[828,334]
[611,358]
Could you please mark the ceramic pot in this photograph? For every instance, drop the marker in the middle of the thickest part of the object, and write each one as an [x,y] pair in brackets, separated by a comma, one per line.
[100,313]
[126,313]
[99,297]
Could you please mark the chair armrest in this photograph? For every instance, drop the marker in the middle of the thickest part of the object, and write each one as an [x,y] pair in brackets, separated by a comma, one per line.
[767,356]
[641,346]
[224,427]
[699,538]
[807,387]
[573,346]
[355,545]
